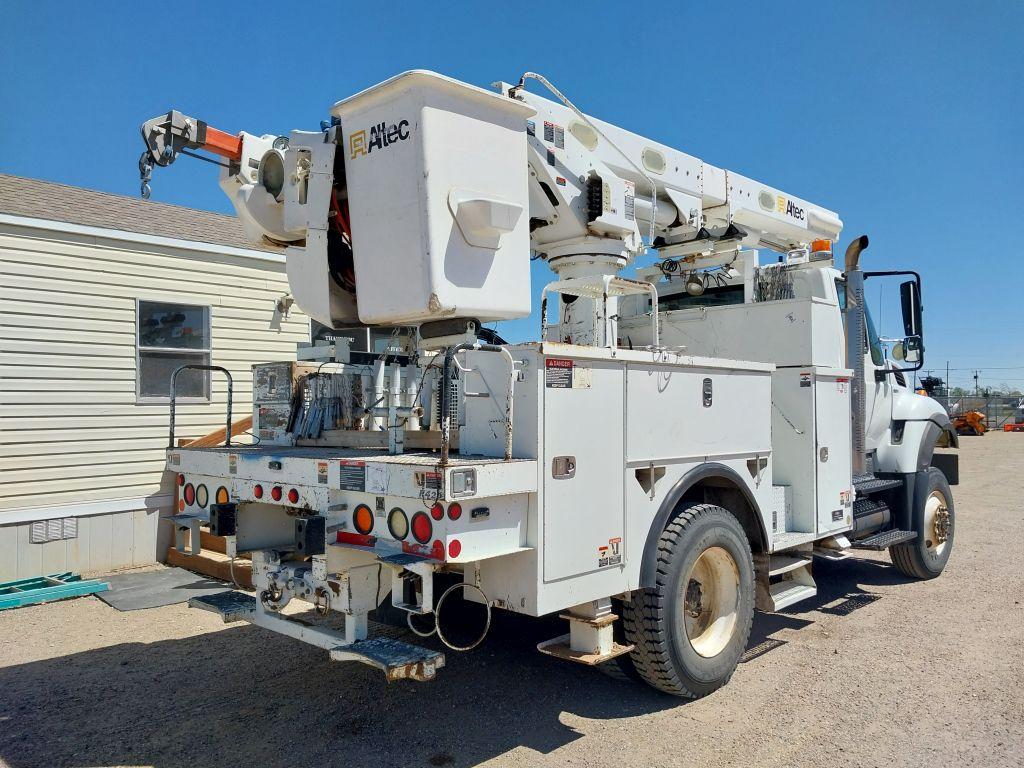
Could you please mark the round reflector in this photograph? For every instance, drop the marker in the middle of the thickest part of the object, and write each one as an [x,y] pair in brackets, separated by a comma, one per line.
[437,511]
[454,548]
[455,511]
[275,493]
[258,491]
[398,523]
[222,495]
[202,496]
[362,519]
[422,528]
[293,496]
[190,495]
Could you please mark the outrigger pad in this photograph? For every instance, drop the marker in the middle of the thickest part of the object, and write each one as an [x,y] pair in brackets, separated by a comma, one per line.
[231,605]
[396,659]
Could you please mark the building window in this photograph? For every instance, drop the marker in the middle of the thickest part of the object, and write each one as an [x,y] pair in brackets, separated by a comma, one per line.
[170,336]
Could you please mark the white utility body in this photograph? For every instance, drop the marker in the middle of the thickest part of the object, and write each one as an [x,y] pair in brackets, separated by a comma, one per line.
[676,449]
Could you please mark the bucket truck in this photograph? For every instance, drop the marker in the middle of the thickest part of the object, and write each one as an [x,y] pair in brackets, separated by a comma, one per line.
[677,448]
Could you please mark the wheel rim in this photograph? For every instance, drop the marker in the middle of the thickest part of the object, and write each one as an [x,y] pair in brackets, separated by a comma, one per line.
[938,523]
[710,595]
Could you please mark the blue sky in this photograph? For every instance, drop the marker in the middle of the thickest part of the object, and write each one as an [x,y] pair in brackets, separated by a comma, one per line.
[906,118]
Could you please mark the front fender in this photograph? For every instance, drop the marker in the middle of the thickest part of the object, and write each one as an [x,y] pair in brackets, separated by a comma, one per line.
[919,425]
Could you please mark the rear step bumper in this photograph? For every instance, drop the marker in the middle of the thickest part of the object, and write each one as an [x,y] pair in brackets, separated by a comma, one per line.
[397,659]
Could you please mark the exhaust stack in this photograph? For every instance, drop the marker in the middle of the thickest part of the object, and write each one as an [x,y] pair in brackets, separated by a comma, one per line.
[855,338]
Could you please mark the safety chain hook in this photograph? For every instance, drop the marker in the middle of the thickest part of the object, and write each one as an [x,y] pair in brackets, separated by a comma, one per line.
[145,174]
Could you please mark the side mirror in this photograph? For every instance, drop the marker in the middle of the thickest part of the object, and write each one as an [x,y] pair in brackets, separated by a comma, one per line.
[910,299]
[911,349]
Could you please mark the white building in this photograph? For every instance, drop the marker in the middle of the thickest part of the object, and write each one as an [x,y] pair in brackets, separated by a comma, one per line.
[101,298]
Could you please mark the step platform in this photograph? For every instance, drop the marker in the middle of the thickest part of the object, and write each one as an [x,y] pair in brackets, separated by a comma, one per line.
[885,540]
[868,484]
[397,659]
[783,580]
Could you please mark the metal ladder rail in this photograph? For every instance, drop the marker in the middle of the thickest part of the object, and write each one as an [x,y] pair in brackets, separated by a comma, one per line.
[197,367]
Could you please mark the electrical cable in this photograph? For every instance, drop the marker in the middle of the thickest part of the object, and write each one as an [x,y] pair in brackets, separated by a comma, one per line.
[437,617]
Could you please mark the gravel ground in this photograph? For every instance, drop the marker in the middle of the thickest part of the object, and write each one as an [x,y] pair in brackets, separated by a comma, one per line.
[875,671]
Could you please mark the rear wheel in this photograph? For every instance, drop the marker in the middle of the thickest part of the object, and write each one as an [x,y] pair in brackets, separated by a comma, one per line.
[691,628]
[934,520]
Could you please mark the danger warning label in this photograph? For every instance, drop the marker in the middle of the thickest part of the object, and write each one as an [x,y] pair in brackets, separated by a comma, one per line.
[610,555]
[560,373]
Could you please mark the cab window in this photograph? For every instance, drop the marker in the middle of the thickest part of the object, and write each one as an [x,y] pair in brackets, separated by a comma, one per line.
[874,344]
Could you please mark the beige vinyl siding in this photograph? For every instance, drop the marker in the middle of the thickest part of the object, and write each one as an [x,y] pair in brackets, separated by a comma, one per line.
[71,430]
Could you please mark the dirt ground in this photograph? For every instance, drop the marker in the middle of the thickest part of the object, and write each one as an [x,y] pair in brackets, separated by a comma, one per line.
[875,671]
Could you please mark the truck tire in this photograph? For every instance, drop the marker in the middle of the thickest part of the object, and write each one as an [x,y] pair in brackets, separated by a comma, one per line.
[691,628]
[934,521]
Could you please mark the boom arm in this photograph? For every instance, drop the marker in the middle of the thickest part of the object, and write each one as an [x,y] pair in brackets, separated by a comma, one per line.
[423,197]
[169,135]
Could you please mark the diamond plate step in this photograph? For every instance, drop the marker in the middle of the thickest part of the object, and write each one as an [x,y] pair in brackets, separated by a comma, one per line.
[885,540]
[231,606]
[868,484]
[398,660]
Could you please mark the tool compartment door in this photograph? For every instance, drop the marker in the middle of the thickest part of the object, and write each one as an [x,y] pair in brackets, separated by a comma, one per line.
[833,441]
[583,508]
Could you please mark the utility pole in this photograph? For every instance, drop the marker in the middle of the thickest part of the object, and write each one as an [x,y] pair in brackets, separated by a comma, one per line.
[976,383]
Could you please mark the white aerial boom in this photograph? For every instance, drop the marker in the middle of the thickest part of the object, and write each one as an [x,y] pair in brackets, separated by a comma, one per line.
[424,196]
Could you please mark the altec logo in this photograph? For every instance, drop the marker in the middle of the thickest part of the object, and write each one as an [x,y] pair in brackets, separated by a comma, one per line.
[381,136]
[787,207]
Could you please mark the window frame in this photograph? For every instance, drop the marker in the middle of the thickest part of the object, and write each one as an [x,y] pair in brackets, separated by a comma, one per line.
[206,351]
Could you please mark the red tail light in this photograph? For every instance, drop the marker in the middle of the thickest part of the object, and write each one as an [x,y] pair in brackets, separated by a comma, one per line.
[454,548]
[258,492]
[437,511]
[275,493]
[422,528]
[455,511]
[293,496]
[181,479]
[190,495]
